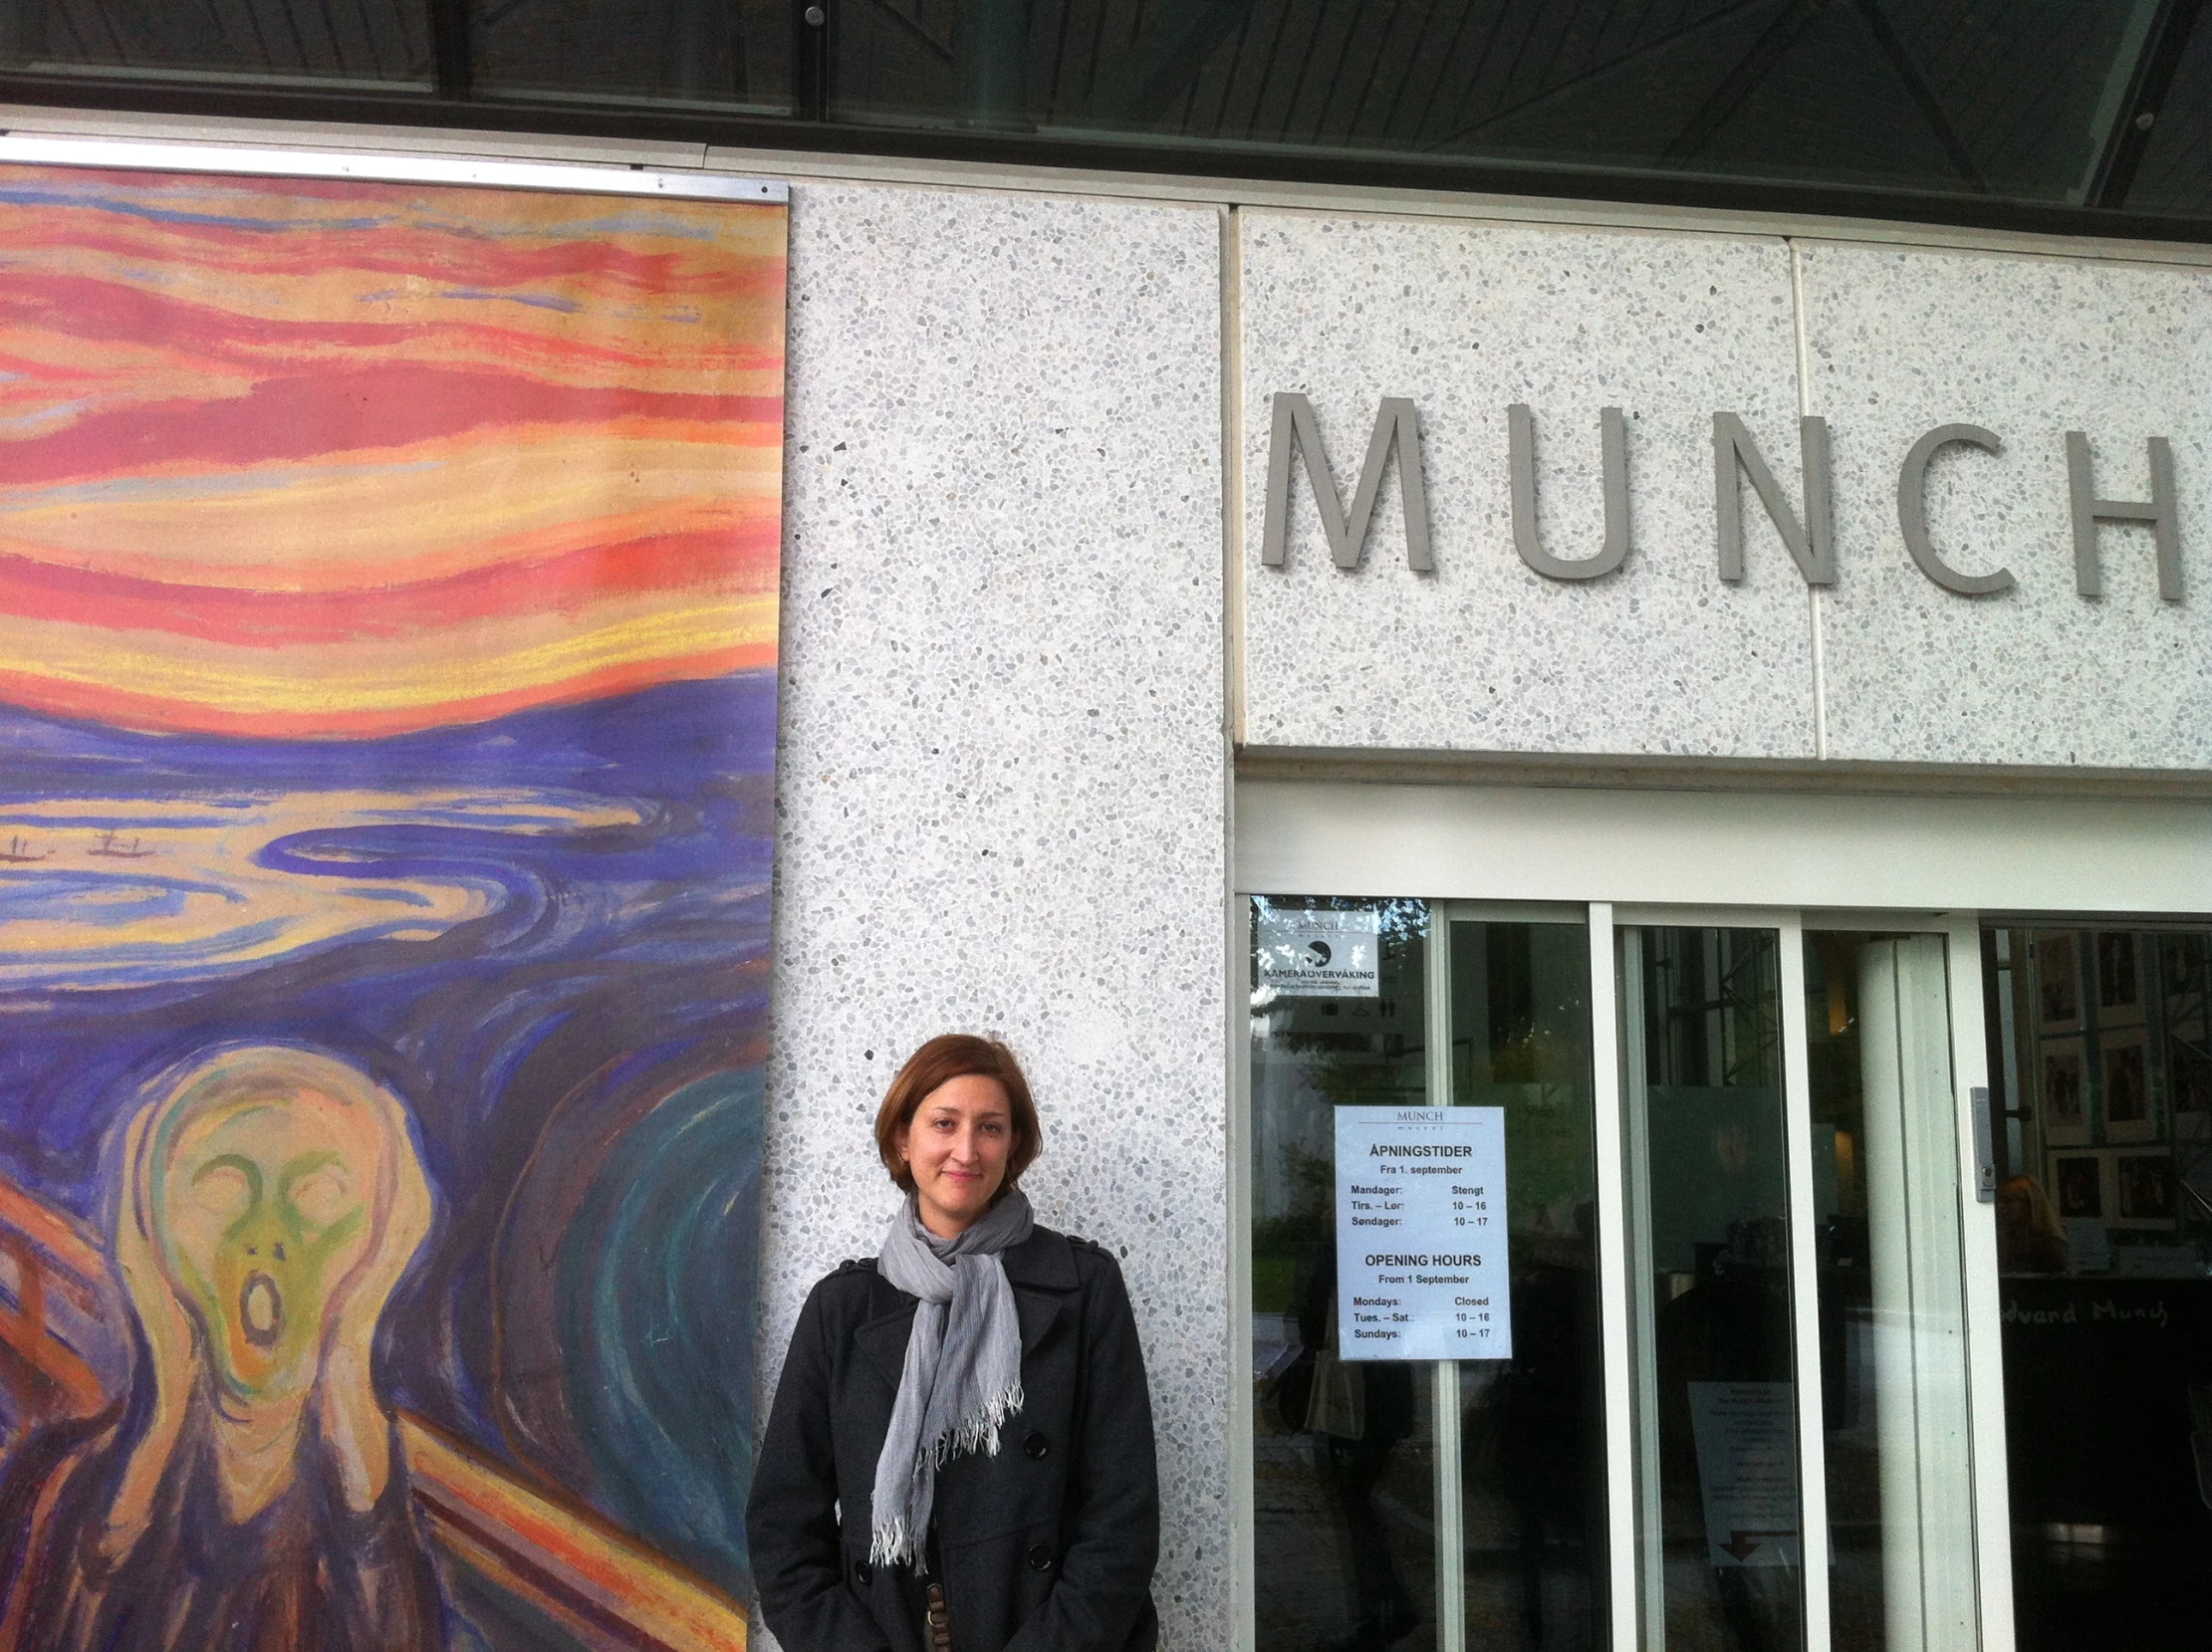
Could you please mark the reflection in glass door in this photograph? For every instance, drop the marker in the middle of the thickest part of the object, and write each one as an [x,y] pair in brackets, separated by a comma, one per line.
[1893,1363]
[1532,1434]
[1437,1505]
[1710,1283]
[2100,1061]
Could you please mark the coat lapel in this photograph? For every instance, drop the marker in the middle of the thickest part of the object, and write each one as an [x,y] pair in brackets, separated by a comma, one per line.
[1041,1271]
[883,1339]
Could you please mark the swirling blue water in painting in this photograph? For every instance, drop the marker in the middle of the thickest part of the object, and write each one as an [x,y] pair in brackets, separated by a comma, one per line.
[548,934]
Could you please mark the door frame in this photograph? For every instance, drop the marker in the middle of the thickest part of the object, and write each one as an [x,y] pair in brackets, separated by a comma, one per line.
[1961,934]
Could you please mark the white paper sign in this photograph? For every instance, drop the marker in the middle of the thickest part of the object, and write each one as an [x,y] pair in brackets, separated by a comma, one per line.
[1747,1469]
[1321,954]
[1422,1234]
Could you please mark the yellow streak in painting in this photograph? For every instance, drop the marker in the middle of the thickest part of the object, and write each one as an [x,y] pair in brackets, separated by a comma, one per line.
[323,526]
[403,675]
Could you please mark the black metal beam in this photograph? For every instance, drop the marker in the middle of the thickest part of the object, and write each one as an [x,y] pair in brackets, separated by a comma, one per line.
[450,47]
[1922,95]
[812,22]
[380,105]
[1720,105]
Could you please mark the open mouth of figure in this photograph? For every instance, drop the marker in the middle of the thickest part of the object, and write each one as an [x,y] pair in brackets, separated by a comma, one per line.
[261,1310]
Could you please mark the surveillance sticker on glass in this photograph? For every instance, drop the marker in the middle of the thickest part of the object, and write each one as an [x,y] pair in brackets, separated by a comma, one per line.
[1321,954]
[1422,1234]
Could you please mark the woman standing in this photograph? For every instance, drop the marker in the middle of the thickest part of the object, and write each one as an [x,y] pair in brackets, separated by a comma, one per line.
[959,1458]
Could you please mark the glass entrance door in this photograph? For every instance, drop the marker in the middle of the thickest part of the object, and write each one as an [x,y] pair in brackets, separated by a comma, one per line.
[1720,1495]
[1736,1411]
[1804,1472]
[1432,1503]
[1894,1444]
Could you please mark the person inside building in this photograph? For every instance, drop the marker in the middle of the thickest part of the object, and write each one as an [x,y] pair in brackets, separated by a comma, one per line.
[2030,1236]
[960,1449]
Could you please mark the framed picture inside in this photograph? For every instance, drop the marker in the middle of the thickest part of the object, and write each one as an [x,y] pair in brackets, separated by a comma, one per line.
[2081,1185]
[2124,1075]
[2058,979]
[2119,980]
[2060,1093]
[2189,1084]
[2145,1186]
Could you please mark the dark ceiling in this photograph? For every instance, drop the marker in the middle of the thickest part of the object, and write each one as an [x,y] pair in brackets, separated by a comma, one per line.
[2056,111]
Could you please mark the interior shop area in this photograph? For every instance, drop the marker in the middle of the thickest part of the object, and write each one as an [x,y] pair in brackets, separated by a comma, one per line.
[2102,1063]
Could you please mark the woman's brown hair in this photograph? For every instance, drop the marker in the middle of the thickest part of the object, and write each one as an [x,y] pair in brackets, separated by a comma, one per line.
[944,1057]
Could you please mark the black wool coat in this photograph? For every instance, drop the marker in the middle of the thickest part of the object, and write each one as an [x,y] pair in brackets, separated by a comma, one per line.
[1048,1547]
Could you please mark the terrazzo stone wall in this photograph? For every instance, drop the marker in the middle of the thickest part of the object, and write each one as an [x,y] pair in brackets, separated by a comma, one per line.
[1662,658]
[2030,348]
[1001,777]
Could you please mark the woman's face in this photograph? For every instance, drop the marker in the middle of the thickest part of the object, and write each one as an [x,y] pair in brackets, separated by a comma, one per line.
[956,1150]
[263,1208]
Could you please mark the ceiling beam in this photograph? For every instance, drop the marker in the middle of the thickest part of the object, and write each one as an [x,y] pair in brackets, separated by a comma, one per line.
[450,47]
[1922,94]
[1720,107]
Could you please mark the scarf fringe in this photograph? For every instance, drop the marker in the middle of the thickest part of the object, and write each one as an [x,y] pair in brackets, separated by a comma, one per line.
[979,1432]
[894,1542]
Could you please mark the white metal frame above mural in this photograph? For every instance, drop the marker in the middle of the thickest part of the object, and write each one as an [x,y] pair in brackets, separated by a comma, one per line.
[573,178]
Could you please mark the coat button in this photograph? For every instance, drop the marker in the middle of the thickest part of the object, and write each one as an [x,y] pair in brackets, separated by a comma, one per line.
[1035,1446]
[863,1572]
[1040,1557]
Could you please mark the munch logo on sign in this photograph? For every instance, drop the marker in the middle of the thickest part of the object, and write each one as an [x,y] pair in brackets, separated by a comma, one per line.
[1321,953]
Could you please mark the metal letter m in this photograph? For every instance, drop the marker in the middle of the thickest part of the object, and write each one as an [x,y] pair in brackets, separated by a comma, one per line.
[1395,423]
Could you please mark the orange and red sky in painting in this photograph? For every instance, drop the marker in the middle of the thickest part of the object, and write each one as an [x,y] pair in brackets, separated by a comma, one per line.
[539,461]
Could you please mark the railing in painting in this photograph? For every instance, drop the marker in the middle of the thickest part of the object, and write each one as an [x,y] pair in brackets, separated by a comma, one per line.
[606,1588]
[50,1271]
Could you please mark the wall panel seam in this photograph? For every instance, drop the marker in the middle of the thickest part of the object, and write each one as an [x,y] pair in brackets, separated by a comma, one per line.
[1814,595]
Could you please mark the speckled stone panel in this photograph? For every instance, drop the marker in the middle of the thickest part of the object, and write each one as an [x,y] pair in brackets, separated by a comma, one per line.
[1484,654]
[2026,348]
[1001,774]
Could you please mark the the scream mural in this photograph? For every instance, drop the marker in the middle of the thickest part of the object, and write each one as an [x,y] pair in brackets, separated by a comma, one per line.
[388,640]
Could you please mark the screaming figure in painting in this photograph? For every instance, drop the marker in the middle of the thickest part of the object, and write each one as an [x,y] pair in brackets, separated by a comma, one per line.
[247,1494]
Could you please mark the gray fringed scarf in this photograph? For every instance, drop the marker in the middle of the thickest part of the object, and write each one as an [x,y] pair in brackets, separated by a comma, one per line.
[963,1371]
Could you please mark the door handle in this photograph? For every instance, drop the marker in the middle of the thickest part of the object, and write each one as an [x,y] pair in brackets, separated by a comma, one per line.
[1985,1147]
